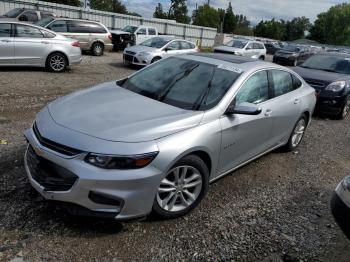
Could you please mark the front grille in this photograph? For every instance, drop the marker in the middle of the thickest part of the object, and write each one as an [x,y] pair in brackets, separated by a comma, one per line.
[65,150]
[130,53]
[48,174]
[128,58]
[224,52]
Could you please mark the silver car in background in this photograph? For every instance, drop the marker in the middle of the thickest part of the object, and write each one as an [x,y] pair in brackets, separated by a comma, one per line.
[243,47]
[157,48]
[29,45]
[153,142]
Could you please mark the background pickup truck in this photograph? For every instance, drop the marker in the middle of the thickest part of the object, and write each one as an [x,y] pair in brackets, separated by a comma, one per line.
[132,35]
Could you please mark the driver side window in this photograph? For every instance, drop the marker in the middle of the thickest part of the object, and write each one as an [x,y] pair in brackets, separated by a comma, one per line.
[255,90]
[174,45]
[142,31]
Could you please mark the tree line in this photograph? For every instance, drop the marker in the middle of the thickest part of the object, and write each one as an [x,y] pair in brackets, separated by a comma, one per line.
[330,27]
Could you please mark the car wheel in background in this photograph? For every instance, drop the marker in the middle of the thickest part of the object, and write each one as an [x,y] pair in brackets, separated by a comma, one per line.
[297,134]
[183,187]
[262,57]
[97,49]
[56,62]
[345,109]
[155,60]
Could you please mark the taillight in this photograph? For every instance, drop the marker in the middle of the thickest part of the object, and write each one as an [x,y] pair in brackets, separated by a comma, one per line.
[110,37]
[76,44]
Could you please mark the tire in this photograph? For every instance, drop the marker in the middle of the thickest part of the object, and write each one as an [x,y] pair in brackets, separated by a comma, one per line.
[295,140]
[262,58]
[97,49]
[171,198]
[345,109]
[155,60]
[56,62]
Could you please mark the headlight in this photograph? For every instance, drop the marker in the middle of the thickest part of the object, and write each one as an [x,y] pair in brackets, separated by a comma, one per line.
[336,86]
[144,53]
[120,162]
[346,183]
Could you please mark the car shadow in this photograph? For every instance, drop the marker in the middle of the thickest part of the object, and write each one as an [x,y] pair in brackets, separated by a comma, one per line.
[29,69]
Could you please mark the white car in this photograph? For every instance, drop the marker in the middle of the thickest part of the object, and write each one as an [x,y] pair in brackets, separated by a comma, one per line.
[157,48]
[243,47]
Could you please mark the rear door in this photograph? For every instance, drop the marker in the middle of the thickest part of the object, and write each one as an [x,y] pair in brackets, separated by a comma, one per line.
[80,31]
[285,106]
[7,46]
[30,45]
[173,48]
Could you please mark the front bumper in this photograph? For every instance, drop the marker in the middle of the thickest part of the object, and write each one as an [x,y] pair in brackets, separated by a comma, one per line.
[330,105]
[75,59]
[133,191]
[137,59]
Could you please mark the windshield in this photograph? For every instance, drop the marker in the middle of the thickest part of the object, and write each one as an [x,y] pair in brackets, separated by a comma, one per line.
[328,63]
[156,42]
[183,83]
[14,12]
[130,29]
[44,22]
[237,43]
[291,48]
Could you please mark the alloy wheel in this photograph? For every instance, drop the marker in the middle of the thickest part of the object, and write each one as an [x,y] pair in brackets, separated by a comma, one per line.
[298,132]
[346,108]
[57,63]
[179,189]
[98,49]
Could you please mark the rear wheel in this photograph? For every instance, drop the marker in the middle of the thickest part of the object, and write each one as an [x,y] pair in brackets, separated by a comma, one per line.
[56,62]
[97,49]
[297,134]
[345,109]
[183,187]
[262,57]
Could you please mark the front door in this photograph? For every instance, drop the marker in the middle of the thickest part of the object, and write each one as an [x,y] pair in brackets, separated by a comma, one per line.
[7,47]
[246,136]
[173,48]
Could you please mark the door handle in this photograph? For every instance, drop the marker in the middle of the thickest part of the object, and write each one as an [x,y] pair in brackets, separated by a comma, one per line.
[268,112]
[45,42]
[297,101]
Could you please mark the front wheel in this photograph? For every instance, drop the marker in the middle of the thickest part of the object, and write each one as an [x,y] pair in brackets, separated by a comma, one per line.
[297,134]
[345,109]
[182,188]
[56,62]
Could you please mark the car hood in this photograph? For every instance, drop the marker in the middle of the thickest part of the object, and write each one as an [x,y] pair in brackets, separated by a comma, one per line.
[227,48]
[113,113]
[319,78]
[119,32]
[5,18]
[141,48]
[286,52]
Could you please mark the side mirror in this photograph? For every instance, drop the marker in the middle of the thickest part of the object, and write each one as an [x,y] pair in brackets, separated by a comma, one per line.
[243,109]
[166,49]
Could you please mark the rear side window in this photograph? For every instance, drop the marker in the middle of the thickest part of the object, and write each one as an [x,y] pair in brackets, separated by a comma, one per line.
[250,46]
[282,82]
[77,27]
[151,31]
[29,16]
[46,15]
[59,26]
[174,45]
[255,90]
[296,82]
[5,30]
[28,32]
[96,28]
[185,45]
[142,31]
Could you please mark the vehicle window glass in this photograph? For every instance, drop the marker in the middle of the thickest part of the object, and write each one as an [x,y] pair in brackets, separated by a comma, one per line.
[237,43]
[28,31]
[14,13]
[142,31]
[174,45]
[185,45]
[296,82]
[282,82]
[256,46]
[29,16]
[5,30]
[156,42]
[260,46]
[46,15]
[59,26]
[255,90]
[250,46]
[182,83]
[96,28]
[77,27]
[151,31]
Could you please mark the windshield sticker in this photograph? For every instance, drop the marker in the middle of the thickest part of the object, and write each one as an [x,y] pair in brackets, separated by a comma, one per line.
[230,68]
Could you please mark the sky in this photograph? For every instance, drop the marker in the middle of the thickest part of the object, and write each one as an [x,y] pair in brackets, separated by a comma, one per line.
[255,10]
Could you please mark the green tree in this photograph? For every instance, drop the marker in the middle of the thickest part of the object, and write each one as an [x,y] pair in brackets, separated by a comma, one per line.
[270,29]
[230,21]
[66,2]
[295,29]
[207,16]
[159,12]
[114,6]
[178,11]
[333,26]
[243,26]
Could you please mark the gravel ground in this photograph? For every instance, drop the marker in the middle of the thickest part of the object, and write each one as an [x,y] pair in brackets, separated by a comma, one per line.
[274,209]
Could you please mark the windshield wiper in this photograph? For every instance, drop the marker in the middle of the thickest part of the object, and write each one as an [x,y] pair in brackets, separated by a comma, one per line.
[205,94]
[162,95]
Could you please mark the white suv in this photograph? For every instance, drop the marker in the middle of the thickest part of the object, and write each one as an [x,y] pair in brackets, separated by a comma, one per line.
[243,47]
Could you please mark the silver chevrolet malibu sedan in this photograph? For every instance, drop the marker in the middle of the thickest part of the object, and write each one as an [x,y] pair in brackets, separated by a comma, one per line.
[29,45]
[152,142]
